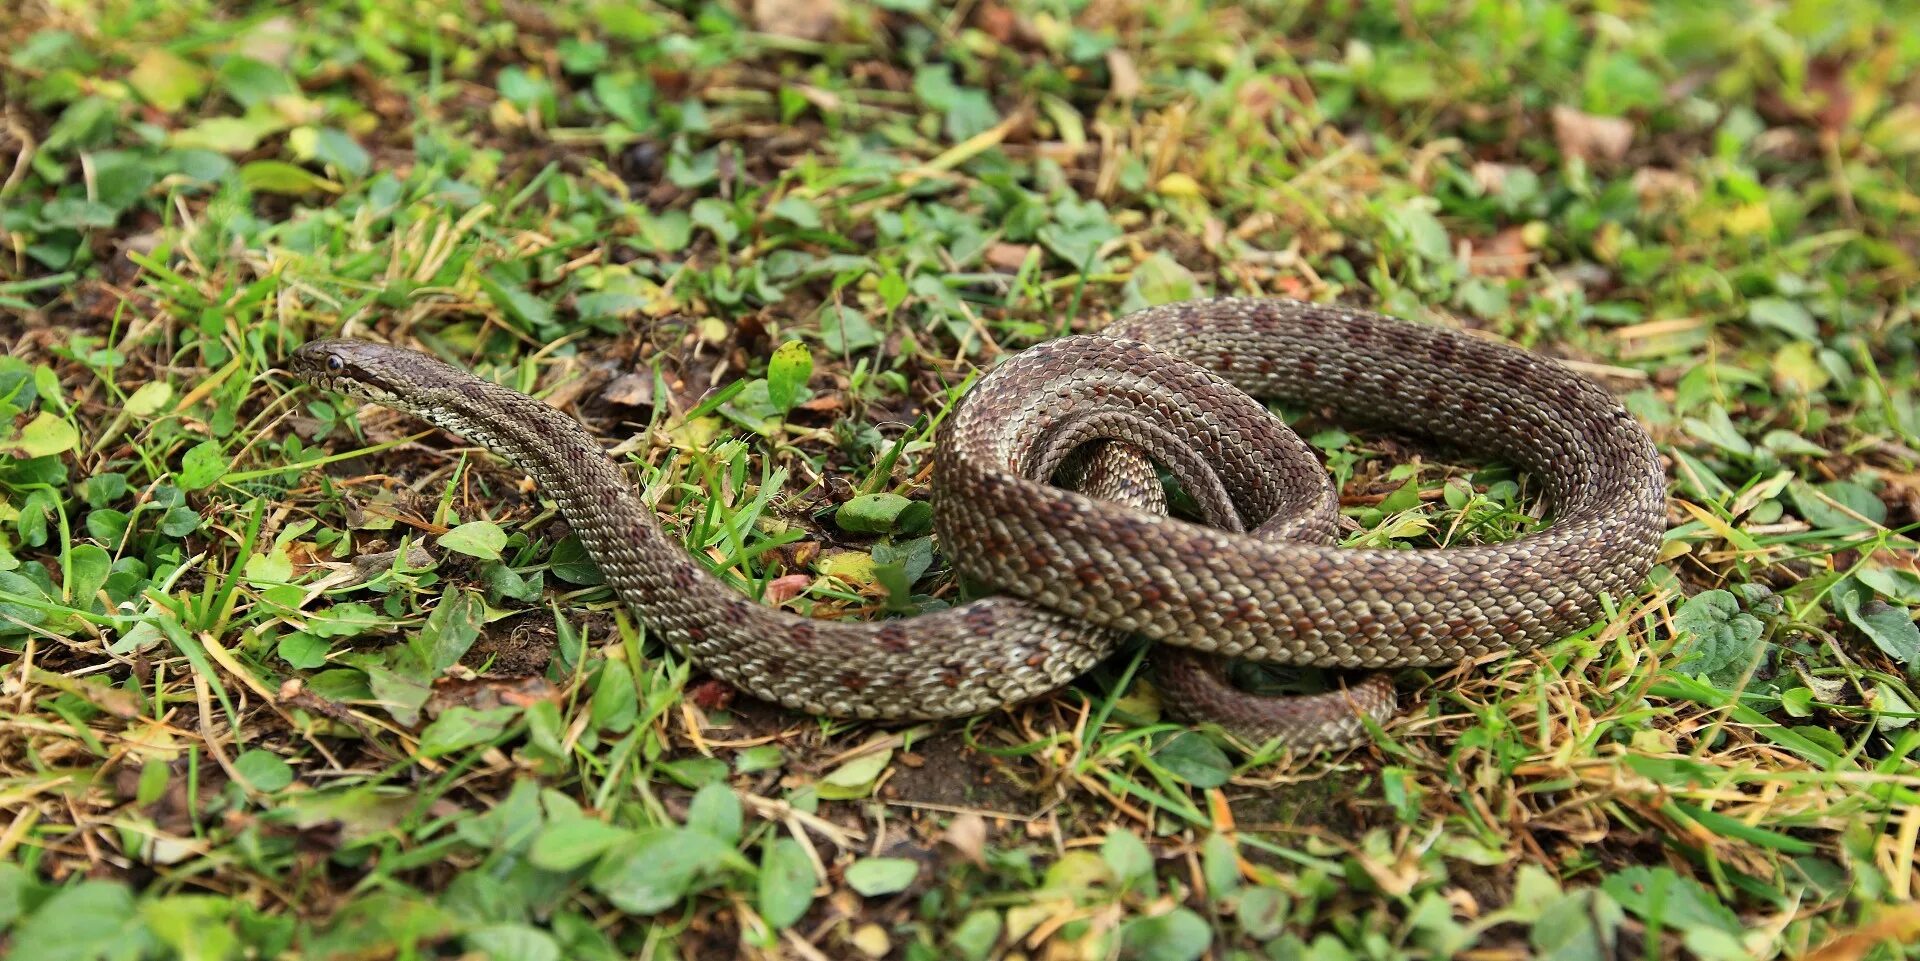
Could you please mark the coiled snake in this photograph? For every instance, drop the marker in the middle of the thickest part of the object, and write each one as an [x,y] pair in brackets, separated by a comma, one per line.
[1079,571]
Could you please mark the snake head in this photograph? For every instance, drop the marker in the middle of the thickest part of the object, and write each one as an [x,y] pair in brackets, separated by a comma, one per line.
[367,371]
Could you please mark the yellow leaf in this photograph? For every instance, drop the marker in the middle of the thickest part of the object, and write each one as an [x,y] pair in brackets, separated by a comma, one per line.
[166,81]
[1796,369]
[1178,185]
[45,434]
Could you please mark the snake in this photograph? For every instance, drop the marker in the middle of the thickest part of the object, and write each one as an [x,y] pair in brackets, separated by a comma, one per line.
[1048,497]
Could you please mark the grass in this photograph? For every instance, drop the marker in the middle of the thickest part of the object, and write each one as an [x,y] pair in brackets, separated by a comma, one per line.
[286,678]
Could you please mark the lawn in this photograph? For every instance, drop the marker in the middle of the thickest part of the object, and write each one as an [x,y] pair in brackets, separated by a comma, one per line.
[285,677]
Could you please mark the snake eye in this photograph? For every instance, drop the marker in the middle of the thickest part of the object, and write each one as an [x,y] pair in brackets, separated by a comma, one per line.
[335,363]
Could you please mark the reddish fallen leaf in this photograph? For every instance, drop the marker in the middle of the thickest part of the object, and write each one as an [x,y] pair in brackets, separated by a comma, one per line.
[787,587]
[997,22]
[712,695]
[1006,26]
[1007,257]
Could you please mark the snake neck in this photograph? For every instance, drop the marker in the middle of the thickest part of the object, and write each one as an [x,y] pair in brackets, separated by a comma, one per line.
[598,500]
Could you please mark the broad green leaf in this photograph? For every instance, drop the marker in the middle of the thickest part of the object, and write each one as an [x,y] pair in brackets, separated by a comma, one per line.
[566,845]
[883,512]
[513,942]
[529,313]
[1178,935]
[656,869]
[1578,926]
[973,939]
[1192,758]
[1890,628]
[1850,497]
[202,465]
[569,562]
[90,920]
[876,876]
[1717,639]
[1659,895]
[1127,856]
[463,727]
[265,770]
[303,651]
[90,565]
[786,882]
[280,177]
[351,619]
[482,539]
[787,375]
[716,811]
[451,629]
[1783,315]
[844,330]
[615,703]
[856,777]
[197,927]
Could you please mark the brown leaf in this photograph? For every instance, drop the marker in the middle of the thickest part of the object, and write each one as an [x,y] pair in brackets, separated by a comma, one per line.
[1589,137]
[799,19]
[967,834]
[1656,187]
[1491,177]
[482,694]
[1006,26]
[1126,77]
[1505,254]
[630,390]
[1007,257]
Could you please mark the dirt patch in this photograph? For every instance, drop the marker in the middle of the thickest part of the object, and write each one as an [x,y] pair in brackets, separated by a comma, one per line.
[948,773]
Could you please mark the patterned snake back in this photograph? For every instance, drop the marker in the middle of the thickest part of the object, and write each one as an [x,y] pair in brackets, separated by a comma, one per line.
[1174,385]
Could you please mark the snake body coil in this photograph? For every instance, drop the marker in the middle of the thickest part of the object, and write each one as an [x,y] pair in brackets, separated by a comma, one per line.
[1261,580]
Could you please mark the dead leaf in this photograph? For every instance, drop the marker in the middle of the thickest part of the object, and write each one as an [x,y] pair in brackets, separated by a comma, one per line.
[967,834]
[785,588]
[799,19]
[712,695]
[1505,254]
[1007,257]
[824,404]
[115,701]
[1491,177]
[1900,924]
[1126,77]
[1657,187]
[1005,26]
[630,390]
[483,694]
[1589,137]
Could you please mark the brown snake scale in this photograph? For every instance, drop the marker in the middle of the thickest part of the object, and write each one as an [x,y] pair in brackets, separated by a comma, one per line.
[1080,571]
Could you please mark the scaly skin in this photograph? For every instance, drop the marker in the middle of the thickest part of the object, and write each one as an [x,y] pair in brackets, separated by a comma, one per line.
[1172,383]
